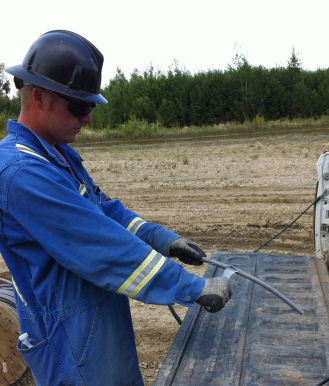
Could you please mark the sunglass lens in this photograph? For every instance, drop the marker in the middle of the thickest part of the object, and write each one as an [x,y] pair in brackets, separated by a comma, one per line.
[80,110]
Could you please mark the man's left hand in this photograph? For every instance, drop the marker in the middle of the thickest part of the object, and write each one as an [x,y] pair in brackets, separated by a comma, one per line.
[187,251]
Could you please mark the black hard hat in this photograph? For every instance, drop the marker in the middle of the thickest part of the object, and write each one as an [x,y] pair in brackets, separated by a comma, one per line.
[63,62]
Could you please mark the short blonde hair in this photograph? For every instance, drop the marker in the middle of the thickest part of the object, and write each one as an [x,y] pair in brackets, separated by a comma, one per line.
[26,91]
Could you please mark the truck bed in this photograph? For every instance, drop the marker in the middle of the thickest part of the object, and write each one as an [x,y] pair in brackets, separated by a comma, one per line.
[257,339]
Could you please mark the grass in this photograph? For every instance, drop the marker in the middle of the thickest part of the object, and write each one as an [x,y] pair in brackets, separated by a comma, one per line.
[135,130]
[139,130]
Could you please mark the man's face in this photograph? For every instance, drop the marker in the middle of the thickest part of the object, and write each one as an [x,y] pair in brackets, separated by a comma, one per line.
[61,125]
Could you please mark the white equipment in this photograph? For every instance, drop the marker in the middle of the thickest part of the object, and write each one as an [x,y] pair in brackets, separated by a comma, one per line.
[321,210]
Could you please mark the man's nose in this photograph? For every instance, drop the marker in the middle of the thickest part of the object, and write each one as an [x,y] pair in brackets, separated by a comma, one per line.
[86,119]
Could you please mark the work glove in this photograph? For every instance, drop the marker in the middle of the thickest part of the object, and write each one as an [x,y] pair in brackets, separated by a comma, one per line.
[187,251]
[215,294]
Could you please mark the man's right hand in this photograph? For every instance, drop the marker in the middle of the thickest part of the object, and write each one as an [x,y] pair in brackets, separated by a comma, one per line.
[215,294]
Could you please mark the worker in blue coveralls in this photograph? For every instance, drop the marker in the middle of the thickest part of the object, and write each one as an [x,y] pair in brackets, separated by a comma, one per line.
[75,254]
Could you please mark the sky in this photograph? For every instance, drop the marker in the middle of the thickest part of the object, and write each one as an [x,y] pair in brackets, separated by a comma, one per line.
[197,35]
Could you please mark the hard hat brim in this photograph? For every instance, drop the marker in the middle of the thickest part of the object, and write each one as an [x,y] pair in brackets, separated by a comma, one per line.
[38,80]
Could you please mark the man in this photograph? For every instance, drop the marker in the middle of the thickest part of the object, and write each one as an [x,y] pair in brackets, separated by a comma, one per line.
[75,254]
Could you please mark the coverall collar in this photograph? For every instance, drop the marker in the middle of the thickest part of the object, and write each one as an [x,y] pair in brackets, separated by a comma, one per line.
[38,143]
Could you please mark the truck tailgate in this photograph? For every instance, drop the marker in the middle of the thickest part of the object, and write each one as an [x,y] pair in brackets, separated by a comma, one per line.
[257,339]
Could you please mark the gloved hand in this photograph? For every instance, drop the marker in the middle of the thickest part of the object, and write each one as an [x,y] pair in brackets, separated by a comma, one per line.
[215,294]
[187,251]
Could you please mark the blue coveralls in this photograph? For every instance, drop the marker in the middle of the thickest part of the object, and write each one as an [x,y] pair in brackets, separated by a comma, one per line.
[76,256]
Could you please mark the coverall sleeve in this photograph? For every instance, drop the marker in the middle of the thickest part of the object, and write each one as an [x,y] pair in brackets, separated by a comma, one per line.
[97,248]
[155,235]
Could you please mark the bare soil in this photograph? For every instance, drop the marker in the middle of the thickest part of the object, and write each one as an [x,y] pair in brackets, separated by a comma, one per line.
[225,195]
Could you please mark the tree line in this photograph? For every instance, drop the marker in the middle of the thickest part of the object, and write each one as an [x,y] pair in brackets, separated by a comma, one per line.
[178,98]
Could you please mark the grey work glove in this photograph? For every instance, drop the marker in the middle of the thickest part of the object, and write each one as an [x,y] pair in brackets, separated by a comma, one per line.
[215,294]
[187,251]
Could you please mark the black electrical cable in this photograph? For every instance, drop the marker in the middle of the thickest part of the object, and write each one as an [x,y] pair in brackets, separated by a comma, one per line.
[256,250]
[175,315]
[289,225]
[171,308]
[323,382]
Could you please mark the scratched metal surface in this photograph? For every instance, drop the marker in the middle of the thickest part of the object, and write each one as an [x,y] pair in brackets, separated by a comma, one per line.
[257,339]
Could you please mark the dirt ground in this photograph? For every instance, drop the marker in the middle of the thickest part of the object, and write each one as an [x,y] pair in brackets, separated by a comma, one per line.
[225,195]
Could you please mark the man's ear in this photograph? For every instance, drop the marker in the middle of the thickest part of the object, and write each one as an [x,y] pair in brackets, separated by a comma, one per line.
[38,97]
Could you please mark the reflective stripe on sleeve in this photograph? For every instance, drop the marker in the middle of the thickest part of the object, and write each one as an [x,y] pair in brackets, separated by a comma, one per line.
[19,293]
[142,275]
[27,150]
[135,224]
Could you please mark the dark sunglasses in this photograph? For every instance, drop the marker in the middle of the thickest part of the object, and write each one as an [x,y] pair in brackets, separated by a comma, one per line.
[78,109]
